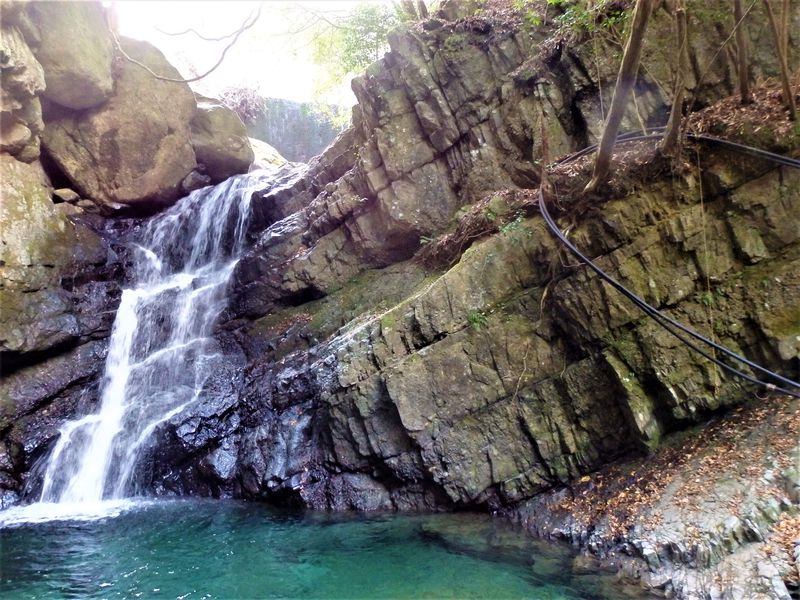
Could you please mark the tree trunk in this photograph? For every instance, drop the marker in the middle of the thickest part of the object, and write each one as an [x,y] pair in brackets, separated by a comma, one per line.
[408,8]
[669,144]
[788,93]
[741,46]
[785,18]
[626,77]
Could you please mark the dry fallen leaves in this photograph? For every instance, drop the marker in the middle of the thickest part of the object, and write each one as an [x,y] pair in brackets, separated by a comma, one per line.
[742,445]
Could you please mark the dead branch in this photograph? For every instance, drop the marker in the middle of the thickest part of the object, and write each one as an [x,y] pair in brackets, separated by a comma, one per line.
[248,23]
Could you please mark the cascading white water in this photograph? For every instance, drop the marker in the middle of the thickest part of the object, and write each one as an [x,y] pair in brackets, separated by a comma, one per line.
[160,351]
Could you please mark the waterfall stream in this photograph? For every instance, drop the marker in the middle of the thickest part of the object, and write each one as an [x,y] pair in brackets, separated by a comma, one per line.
[161,350]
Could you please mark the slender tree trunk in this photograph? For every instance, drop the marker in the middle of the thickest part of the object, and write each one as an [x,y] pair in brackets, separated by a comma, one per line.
[785,18]
[777,30]
[625,80]
[741,46]
[669,144]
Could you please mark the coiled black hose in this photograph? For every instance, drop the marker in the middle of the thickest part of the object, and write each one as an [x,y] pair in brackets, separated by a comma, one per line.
[665,321]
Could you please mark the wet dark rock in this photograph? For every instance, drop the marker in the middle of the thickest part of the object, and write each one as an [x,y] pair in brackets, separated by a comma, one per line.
[36,400]
[350,377]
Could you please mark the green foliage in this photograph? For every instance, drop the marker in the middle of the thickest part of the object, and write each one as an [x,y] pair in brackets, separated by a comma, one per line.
[529,14]
[350,43]
[455,42]
[583,17]
[477,319]
[389,321]
[709,298]
[515,229]
[344,45]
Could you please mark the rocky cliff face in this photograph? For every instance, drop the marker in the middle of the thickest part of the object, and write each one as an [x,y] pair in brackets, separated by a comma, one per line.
[111,136]
[404,332]
[120,133]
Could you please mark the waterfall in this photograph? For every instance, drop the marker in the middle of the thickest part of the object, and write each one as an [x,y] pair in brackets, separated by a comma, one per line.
[161,350]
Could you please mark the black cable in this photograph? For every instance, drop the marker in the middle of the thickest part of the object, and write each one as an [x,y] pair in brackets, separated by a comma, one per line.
[786,161]
[664,320]
[656,133]
[651,309]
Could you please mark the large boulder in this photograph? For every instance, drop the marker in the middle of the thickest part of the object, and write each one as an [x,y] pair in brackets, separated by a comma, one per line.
[220,140]
[21,79]
[136,148]
[265,156]
[76,52]
[39,245]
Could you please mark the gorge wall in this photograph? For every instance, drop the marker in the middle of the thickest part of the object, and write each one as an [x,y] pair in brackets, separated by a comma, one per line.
[85,133]
[403,331]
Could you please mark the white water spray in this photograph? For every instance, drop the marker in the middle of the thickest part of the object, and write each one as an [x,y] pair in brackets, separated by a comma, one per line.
[161,350]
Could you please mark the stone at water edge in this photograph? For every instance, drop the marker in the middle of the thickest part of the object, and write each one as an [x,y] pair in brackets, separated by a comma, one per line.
[38,245]
[266,157]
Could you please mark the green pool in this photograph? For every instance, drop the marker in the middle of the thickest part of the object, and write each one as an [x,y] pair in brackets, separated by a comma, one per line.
[225,549]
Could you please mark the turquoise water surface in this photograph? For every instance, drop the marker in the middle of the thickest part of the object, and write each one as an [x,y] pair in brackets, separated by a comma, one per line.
[225,549]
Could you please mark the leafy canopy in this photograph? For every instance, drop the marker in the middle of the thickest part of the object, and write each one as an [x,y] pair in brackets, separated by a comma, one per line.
[354,41]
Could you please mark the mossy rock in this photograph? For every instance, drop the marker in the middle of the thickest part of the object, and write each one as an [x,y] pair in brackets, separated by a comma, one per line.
[38,246]
[75,51]
[136,148]
[220,141]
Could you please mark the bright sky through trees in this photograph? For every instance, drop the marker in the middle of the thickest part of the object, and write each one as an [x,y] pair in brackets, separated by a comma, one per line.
[274,56]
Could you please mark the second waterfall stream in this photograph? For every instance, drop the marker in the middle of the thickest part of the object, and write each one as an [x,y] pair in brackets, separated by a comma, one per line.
[161,348]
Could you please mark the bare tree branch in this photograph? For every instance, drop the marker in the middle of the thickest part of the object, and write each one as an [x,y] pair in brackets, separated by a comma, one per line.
[248,23]
[322,16]
[198,34]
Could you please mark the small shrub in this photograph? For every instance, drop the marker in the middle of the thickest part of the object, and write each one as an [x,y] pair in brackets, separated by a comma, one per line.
[245,101]
[477,319]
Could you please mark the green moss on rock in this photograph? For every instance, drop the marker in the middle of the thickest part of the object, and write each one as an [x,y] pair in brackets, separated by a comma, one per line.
[75,51]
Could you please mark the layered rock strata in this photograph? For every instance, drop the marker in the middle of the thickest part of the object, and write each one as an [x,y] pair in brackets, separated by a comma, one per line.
[361,379]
